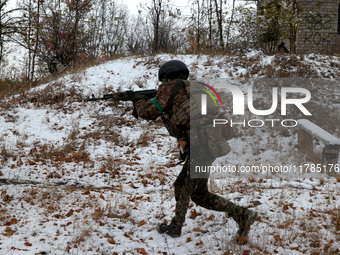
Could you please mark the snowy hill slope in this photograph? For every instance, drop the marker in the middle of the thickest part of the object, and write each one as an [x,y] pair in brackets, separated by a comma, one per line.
[88,178]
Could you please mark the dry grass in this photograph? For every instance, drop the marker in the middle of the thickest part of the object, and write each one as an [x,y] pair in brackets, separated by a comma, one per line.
[336,221]
[111,165]
[8,87]
[5,154]
[144,139]
[107,129]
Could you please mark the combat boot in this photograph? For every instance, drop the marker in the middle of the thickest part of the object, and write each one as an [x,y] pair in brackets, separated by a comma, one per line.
[245,221]
[172,229]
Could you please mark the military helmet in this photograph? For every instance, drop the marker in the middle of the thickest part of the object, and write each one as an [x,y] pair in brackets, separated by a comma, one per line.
[173,69]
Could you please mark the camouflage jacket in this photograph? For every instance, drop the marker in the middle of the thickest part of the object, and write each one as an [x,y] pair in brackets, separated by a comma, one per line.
[147,110]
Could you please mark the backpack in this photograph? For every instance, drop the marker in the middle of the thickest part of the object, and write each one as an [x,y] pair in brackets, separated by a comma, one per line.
[211,139]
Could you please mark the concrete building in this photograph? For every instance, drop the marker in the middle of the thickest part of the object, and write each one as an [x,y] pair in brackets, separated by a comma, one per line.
[319,27]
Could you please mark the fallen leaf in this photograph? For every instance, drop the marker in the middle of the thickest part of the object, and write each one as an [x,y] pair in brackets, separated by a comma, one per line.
[193,214]
[28,244]
[277,238]
[141,223]
[14,221]
[144,182]
[199,243]
[70,213]
[141,251]
[111,241]
[197,230]
[211,217]
[8,231]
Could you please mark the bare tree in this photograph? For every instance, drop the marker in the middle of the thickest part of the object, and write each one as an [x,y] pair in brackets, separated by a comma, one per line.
[29,31]
[59,31]
[278,21]
[162,19]
[114,29]
[230,23]
[198,29]
[220,21]
[106,28]
[244,28]
[63,33]
[8,25]
[139,37]
[155,16]
[210,17]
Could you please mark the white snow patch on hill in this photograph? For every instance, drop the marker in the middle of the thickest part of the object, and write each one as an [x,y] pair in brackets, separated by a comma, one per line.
[88,178]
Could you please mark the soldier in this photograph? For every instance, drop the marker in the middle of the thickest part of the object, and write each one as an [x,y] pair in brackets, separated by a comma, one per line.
[171,103]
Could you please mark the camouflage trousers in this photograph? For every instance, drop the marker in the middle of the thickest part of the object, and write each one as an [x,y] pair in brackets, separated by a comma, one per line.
[196,189]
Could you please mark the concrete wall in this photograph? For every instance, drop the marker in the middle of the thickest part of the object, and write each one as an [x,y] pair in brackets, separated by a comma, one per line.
[318,30]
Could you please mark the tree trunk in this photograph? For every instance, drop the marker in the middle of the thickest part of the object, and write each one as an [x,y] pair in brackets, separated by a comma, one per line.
[219,15]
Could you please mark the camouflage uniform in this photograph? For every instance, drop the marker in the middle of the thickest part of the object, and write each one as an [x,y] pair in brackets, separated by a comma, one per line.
[187,188]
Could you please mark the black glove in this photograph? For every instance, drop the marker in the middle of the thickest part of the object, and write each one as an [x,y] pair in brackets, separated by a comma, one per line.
[134,113]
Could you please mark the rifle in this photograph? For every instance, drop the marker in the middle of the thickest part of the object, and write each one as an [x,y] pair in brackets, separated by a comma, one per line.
[128,95]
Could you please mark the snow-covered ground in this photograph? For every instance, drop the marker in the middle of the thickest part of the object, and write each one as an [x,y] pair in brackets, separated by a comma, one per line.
[89,178]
